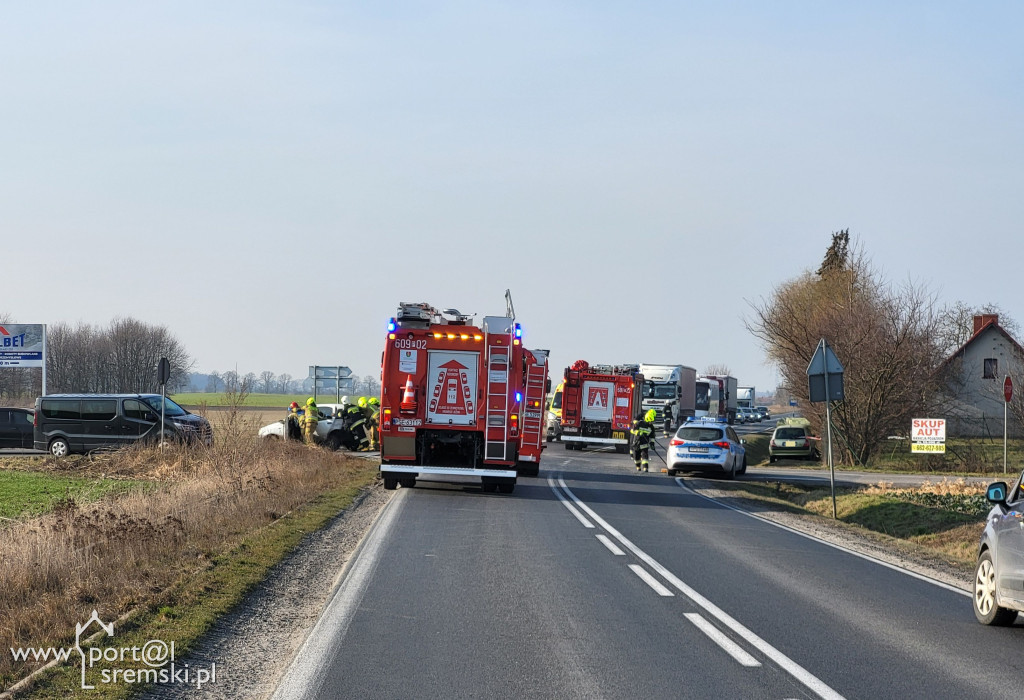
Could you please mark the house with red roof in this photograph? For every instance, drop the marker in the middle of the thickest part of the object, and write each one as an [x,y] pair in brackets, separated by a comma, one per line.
[975,373]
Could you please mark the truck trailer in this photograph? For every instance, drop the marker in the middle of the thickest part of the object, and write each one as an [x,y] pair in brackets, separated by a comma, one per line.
[746,397]
[460,400]
[716,396]
[599,404]
[672,388]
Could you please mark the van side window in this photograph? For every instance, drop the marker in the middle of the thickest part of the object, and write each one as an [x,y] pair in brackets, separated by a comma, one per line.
[5,416]
[62,408]
[136,409]
[99,409]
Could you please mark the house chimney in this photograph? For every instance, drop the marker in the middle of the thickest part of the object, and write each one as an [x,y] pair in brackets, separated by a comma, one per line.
[982,320]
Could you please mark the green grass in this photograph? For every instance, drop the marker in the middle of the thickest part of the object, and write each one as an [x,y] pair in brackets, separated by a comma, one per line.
[253,400]
[757,448]
[24,493]
[189,610]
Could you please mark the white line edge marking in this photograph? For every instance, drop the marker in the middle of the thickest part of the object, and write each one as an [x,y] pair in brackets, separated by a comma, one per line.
[306,673]
[730,647]
[840,547]
[651,581]
[570,506]
[793,668]
[611,546]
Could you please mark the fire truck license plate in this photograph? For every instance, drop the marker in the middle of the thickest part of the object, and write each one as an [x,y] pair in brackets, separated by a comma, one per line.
[619,435]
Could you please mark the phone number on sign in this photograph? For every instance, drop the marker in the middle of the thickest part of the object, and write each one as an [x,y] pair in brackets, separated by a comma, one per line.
[927,447]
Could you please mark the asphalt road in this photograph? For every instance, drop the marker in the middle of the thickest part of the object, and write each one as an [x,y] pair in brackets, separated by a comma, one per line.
[593,581]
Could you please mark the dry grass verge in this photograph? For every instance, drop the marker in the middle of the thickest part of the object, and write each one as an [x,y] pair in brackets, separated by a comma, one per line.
[124,552]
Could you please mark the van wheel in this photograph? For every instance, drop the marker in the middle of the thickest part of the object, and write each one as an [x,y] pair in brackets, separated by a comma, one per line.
[59,447]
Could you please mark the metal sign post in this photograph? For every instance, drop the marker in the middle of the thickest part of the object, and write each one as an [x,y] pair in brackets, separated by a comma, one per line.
[825,383]
[1007,396]
[163,373]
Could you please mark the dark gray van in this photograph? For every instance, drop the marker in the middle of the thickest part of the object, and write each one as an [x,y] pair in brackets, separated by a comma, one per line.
[67,423]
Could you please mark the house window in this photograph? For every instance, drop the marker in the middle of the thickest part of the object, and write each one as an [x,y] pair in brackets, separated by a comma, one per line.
[991,368]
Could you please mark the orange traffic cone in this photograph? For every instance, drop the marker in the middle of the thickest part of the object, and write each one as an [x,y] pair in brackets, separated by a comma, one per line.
[408,404]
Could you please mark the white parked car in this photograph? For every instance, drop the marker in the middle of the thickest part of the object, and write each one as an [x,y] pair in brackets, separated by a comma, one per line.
[327,431]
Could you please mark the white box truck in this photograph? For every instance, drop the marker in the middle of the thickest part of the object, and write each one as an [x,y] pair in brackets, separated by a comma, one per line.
[672,388]
[746,397]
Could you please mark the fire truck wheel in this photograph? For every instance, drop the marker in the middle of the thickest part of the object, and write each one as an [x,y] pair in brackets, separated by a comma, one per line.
[390,483]
[507,487]
[489,486]
[569,445]
[622,449]
[407,482]
[528,468]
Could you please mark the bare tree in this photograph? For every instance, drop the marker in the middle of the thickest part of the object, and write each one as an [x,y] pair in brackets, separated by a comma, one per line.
[718,370]
[267,377]
[884,335]
[214,383]
[249,382]
[284,383]
[958,324]
[232,382]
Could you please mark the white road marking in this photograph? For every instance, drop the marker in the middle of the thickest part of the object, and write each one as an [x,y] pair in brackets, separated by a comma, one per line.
[798,672]
[307,672]
[731,648]
[572,509]
[651,581]
[840,547]
[611,546]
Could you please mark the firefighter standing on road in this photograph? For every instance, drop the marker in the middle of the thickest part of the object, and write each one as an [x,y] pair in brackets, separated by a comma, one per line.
[668,420]
[309,421]
[643,433]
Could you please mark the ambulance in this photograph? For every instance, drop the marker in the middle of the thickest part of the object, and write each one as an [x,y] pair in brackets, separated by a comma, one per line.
[459,401]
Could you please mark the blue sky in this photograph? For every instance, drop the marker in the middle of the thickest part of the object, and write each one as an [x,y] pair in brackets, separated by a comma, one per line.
[270,179]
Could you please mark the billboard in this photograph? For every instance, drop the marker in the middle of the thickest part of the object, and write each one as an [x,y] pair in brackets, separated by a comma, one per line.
[22,345]
[928,435]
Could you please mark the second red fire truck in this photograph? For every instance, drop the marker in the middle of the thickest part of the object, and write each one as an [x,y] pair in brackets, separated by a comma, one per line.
[460,400]
[599,403]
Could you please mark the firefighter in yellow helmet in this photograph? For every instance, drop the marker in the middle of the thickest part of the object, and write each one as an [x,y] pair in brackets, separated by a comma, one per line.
[355,421]
[643,433]
[309,421]
[373,407]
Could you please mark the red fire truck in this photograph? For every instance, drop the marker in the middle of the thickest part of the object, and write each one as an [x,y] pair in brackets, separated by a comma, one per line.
[599,403]
[460,400]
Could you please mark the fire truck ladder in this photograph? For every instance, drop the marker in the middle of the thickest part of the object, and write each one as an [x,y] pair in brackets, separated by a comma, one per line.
[498,366]
[534,427]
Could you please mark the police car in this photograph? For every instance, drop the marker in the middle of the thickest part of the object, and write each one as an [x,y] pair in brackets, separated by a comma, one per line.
[707,445]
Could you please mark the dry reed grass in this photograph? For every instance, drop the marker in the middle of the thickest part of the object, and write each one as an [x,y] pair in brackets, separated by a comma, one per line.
[118,553]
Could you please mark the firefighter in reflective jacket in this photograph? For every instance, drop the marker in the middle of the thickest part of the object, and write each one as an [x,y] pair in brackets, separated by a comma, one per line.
[373,409]
[293,422]
[309,421]
[355,422]
[643,433]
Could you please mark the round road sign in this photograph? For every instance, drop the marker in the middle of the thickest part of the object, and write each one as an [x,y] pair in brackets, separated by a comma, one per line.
[1008,389]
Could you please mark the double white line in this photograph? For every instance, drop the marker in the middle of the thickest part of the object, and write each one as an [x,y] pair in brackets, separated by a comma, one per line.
[581,510]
